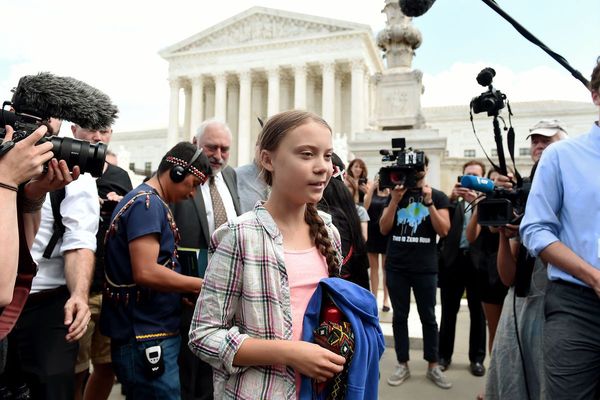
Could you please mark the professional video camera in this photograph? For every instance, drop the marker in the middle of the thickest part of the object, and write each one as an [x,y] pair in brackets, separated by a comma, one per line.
[404,165]
[501,206]
[37,98]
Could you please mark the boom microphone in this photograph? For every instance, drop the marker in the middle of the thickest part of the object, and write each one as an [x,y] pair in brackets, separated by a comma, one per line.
[476,183]
[46,95]
[415,8]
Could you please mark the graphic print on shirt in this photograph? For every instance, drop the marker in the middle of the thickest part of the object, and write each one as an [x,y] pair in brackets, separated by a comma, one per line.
[408,219]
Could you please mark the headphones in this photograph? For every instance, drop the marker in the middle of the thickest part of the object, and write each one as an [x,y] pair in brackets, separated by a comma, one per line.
[178,172]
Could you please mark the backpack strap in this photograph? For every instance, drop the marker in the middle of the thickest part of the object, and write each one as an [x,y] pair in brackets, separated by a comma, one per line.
[56,197]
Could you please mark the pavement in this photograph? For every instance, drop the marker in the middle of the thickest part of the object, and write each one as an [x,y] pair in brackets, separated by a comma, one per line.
[465,385]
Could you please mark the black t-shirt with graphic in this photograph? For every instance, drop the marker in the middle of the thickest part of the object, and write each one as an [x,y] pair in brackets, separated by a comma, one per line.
[412,240]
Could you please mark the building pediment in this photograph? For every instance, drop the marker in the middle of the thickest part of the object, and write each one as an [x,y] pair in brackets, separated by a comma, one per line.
[260,25]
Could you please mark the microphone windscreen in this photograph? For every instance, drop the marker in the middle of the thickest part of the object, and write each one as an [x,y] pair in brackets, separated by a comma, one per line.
[476,183]
[415,8]
[46,95]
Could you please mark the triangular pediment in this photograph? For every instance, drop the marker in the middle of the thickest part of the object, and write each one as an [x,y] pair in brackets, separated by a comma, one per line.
[260,25]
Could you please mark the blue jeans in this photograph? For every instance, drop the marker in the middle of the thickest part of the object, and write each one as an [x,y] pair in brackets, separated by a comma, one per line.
[130,367]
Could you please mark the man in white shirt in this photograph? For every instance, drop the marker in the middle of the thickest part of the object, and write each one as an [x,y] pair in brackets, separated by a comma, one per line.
[213,204]
[44,341]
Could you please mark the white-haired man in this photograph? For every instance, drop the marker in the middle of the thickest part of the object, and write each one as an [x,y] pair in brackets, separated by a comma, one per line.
[197,218]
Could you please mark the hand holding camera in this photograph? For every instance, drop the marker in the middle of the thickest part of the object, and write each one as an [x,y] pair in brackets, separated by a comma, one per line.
[26,160]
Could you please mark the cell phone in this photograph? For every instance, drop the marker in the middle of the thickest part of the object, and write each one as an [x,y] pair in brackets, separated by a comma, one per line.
[362,181]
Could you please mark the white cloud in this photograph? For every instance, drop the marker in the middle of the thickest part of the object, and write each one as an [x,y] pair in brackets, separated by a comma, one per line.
[457,85]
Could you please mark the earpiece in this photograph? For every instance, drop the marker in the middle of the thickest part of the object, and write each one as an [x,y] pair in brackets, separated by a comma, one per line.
[178,172]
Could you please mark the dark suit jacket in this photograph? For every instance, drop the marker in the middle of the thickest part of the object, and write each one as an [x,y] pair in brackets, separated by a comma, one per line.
[451,243]
[190,215]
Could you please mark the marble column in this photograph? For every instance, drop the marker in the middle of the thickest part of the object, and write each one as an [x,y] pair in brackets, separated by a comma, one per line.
[197,106]
[328,98]
[187,91]
[273,99]
[220,96]
[300,87]
[173,132]
[245,146]
[357,94]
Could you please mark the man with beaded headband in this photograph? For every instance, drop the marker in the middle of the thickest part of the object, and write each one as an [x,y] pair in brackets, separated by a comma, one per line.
[141,307]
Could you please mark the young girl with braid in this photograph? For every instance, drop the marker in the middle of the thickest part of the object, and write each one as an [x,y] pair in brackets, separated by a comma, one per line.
[264,267]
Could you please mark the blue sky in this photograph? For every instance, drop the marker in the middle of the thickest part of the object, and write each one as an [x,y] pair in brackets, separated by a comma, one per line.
[114,44]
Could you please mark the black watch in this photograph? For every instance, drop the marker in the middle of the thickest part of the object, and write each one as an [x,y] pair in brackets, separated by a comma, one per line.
[428,204]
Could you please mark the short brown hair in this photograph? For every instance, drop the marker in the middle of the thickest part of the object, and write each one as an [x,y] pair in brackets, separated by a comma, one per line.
[474,162]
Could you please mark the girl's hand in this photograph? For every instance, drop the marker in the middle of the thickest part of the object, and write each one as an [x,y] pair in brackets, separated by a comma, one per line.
[315,361]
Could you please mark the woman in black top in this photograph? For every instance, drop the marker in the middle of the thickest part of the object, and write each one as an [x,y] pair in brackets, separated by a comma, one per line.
[337,201]
[357,180]
[375,202]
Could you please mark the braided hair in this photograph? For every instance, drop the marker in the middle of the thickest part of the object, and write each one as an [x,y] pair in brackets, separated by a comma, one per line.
[273,132]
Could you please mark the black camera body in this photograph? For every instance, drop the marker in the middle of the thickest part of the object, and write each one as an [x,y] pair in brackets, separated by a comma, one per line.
[405,165]
[503,206]
[89,157]
[490,101]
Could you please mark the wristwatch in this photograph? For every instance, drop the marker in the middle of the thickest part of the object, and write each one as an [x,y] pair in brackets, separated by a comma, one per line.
[428,204]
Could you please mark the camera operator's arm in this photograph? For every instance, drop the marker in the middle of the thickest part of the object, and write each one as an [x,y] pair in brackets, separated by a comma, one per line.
[508,251]
[369,195]
[473,228]
[386,222]
[440,219]
[18,165]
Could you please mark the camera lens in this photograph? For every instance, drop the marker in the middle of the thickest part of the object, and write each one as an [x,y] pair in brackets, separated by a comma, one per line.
[90,157]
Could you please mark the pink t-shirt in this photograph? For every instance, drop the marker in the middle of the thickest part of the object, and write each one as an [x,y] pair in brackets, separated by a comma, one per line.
[305,268]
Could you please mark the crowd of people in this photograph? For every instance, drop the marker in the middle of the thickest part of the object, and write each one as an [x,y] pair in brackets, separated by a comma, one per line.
[207,281]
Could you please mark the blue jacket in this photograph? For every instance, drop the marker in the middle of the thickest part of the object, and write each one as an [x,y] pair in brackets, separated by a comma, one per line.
[360,309]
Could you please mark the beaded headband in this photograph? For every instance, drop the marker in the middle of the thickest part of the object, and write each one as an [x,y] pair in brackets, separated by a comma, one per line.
[193,170]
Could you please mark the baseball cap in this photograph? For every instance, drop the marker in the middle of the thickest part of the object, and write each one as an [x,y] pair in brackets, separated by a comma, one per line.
[547,127]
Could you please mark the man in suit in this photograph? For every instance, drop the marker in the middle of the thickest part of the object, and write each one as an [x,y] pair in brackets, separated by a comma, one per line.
[197,218]
[457,273]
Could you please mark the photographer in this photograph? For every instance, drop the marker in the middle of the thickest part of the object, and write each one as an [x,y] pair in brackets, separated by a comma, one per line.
[19,165]
[526,312]
[458,273]
[43,345]
[414,216]
[561,226]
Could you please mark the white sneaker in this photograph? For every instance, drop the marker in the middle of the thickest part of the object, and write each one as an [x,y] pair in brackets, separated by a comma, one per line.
[436,375]
[401,374]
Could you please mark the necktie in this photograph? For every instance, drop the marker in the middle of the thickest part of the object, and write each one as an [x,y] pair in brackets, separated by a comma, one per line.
[219,213]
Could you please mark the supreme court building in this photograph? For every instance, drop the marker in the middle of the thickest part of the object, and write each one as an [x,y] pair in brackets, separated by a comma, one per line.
[263,61]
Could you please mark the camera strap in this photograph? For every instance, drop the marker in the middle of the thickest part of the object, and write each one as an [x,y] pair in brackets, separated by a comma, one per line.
[510,142]
[56,197]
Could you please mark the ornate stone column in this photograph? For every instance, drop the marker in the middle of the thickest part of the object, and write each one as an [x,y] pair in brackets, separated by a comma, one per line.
[300,87]
[173,132]
[220,96]
[357,82]
[245,147]
[273,99]
[328,105]
[197,106]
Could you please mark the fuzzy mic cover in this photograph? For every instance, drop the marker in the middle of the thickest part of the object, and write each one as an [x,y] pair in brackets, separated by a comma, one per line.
[46,95]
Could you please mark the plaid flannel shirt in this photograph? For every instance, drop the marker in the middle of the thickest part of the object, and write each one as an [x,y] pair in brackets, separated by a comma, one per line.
[246,294]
